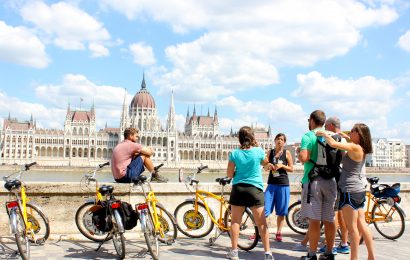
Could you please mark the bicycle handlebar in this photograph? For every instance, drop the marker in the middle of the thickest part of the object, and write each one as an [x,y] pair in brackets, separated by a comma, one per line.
[27,166]
[201,168]
[103,165]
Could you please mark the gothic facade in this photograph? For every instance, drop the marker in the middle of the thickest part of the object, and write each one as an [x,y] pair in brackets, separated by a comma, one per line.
[80,144]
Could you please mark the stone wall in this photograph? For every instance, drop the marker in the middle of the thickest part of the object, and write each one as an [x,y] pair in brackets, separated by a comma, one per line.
[61,200]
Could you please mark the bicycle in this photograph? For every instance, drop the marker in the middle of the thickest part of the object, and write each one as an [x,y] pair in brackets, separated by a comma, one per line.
[111,220]
[27,221]
[83,216]
[157,224]
[196,219]
[386,214]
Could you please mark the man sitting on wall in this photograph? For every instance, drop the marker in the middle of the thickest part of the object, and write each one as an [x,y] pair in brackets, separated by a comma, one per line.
[129,158]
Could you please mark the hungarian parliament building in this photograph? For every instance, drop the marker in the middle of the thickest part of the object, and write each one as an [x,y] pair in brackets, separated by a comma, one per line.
[81,144]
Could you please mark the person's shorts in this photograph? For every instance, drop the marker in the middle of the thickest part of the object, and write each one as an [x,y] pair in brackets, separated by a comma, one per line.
[134,169]
[277,197]
[322,199]
[355,200]
[246,195]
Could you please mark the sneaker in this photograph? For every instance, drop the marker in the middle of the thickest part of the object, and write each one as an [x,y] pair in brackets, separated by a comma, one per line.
[323,250]
[278,237]
[343,249]
[268,256]
[252,237]
[232,254]
[300,247]
[307,257]
[327,257]
[158,178]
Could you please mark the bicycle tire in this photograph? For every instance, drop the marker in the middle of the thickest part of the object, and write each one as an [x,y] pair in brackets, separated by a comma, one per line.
[294,219]
[119,243]
[39,223]
[22,241]
[248,231]
[395,221]
[168,228]
[193,224]
[150,236]
[85,224]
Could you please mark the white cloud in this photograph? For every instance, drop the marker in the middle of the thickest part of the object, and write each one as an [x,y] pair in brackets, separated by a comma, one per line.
[363,98]
[404,41]
[142,54]
[238,51]
[98,50]
[19,45]
[69,26]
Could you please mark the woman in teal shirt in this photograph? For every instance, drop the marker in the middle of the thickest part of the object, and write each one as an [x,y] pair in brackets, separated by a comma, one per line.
[244,167]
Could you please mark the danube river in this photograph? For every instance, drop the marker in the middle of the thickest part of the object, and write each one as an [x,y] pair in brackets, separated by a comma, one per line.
[66,175]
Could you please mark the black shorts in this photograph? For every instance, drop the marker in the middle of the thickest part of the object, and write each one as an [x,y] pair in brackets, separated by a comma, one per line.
[246,195]
[355,200]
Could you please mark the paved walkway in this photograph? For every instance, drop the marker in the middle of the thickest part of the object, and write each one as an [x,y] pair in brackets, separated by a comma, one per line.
[69,247]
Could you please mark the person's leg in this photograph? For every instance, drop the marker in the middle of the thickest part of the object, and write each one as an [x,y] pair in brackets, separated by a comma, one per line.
[342,227]
[330,234]
[282,197]
[236,215]
[328,189]
[148,163]
[260,219]
[367,235]
[350,217]
[134,169]
[314,235]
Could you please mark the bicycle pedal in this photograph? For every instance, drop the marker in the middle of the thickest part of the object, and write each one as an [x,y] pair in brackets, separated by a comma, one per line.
[40,241]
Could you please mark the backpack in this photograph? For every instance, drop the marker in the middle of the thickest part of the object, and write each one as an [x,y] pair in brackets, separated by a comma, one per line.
[129,215]
[102,219]
[328,160]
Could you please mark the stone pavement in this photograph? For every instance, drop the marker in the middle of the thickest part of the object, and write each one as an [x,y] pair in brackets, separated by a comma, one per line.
[76,247]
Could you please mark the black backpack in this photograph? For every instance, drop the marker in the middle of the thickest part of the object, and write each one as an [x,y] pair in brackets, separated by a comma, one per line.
[129,215]
[102,219]
[328,160]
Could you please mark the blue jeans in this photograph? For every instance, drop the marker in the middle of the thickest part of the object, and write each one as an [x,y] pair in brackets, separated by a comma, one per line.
[134,169]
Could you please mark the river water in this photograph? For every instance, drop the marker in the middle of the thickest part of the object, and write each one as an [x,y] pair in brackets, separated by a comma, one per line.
[206,176]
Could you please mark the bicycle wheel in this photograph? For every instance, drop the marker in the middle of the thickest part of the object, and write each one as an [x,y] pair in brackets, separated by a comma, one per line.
[23,243]
[388,220]
[294,219]
[38,225]
[168,225]
[84,223]
[150,236]
[191,223]
[119,242]
[248,231]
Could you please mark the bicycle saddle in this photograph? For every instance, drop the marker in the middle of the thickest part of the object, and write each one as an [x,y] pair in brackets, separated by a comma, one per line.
[223,181]
[373,180]
[139,179]
[104,189]
[12,184]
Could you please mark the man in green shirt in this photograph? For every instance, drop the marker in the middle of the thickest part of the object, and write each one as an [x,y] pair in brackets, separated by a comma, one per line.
[322,195]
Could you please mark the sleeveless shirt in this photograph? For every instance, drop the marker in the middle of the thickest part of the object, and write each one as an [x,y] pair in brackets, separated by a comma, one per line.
[282,179]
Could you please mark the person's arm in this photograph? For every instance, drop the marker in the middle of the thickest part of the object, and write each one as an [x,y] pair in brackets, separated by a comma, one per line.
[305,148]
[230,171]
[147,151]
[348,147]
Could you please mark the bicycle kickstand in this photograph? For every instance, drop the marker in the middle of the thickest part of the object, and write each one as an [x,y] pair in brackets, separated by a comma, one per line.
[102,242]
[214,238]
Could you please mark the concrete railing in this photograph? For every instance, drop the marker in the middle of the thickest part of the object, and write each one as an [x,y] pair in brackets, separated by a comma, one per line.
[60,200]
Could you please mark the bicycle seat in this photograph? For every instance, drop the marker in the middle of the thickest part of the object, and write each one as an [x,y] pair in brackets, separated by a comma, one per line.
[12,184]
[373,180]
[104,189]
[141,178]
[223,181]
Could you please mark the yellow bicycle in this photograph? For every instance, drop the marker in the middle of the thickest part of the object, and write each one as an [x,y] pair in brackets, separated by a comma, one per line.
[28,223]
[83,216]
[157,224]
[196,219]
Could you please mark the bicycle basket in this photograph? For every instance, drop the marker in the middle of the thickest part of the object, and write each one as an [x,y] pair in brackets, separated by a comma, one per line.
[385,191]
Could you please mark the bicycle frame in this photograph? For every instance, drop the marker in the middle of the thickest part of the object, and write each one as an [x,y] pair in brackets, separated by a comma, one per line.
[151,201]
[203,195]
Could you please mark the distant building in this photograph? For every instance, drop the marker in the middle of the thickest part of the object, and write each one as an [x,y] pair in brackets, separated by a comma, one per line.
[408,156]
[80,144]
[387,153]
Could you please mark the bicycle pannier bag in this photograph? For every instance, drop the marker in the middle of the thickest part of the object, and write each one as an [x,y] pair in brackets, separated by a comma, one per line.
[102,219]
[129,216]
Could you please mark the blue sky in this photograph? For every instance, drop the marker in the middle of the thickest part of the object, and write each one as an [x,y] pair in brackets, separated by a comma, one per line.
[260,62]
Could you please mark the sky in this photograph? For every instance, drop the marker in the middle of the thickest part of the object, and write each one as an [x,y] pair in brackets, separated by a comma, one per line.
[260,63]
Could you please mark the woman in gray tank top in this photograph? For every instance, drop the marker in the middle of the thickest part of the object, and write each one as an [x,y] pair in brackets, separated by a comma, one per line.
[352,190]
